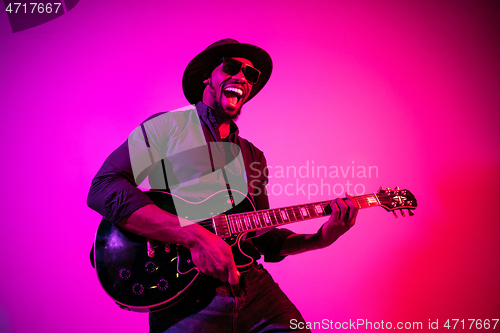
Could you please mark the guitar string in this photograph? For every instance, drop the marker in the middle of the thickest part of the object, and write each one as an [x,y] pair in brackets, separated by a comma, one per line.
[276,218]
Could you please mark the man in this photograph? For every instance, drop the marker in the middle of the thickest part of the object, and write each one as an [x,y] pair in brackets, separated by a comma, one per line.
[195,153]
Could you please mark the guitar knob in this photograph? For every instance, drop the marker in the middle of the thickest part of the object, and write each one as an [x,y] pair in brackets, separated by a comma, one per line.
[162,284]
[150,267]
[137,288]
[125,273]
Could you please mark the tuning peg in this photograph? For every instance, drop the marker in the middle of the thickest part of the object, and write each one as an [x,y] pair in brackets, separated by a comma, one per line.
[388,189]
[410,212]
[402,213]
[395,215]
[396,188]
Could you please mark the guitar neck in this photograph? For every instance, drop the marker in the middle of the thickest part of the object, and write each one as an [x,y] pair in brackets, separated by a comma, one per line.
[256,220]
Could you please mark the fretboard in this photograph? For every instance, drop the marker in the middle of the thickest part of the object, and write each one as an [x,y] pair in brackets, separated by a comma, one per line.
[251,221]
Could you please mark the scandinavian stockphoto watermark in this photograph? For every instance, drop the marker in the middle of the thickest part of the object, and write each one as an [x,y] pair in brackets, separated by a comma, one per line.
[311,179]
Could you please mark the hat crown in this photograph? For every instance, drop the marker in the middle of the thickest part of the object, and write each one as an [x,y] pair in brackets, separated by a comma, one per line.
[222,42]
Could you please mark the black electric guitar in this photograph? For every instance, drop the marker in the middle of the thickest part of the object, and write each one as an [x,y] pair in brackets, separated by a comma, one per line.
[145,275]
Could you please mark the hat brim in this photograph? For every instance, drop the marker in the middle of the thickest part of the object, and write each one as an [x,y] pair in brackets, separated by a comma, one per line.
[192,80]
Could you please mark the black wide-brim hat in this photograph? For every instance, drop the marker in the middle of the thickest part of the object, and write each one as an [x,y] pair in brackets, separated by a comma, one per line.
[194,75]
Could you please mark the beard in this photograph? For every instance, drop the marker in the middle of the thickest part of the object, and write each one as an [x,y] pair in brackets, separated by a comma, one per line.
[221,116]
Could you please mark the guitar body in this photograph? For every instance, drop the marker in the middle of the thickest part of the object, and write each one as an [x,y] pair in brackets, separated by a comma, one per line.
[144,283]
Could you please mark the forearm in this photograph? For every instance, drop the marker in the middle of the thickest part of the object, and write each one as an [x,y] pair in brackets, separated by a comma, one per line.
[298,243]
[341,220]
[210,253]
[153,222]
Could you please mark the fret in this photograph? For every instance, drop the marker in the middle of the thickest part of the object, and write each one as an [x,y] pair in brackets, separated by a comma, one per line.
[284,215]
[240,222]
[230,222]
[263,218]
[235,223]
[297,213]
[253,225]
[248,218]
[272,216]
[319,209]
[291,214]
[257,220]
[356,199]
[247,224]
[366,201]
[371,199]
[267,217]
[312,211]
[253,221]
[304,212]
[277,213]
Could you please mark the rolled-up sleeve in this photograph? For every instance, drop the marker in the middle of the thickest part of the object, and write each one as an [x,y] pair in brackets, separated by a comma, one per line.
[270,244]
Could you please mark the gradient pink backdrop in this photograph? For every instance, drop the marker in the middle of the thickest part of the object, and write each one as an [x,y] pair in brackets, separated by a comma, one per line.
[409,87]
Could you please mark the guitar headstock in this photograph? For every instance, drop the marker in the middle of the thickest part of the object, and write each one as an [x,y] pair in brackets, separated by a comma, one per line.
[396,199]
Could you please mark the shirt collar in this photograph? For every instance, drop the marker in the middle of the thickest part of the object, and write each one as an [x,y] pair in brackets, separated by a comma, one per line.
[206,114]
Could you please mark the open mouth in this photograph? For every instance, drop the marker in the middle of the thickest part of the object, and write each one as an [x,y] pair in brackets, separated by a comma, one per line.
[233,95]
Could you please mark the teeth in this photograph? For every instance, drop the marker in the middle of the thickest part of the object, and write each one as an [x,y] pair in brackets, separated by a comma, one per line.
[237,91]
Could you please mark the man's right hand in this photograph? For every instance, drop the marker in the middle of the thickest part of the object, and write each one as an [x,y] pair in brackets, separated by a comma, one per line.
[212,255]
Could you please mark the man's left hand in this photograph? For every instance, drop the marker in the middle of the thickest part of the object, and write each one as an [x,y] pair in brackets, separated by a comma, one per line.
[343,217]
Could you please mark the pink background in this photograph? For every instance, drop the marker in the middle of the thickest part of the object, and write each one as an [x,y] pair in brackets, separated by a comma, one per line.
[411,87]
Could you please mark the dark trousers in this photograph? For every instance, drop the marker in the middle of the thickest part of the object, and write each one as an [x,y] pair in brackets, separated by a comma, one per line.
[257,304]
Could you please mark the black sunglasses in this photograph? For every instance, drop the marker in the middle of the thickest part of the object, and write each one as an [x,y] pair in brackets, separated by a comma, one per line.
[233,67]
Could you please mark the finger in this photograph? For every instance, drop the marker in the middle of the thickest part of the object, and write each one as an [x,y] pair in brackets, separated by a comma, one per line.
[335,209]
[343,209]
[234,275]
[222,274]
[353,208]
